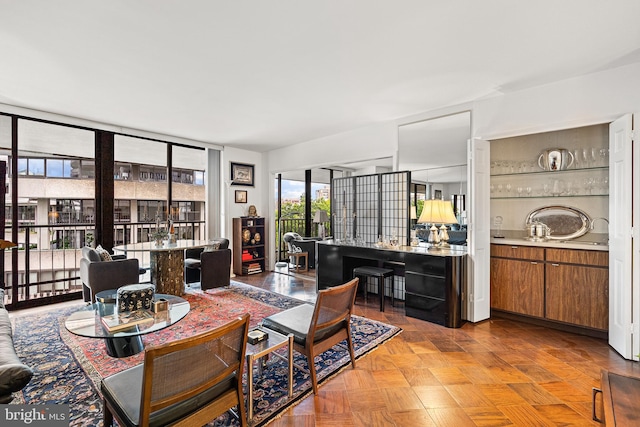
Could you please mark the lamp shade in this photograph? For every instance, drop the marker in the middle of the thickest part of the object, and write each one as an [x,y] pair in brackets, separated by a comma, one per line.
[437,212]
[320,217]
[413,213]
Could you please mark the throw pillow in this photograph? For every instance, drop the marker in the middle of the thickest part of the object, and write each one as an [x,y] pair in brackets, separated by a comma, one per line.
[212,247]
[104,254]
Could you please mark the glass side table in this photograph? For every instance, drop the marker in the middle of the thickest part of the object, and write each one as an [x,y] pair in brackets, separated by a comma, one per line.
[257,352]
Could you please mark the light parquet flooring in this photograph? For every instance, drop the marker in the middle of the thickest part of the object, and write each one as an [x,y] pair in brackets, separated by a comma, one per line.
[493,373]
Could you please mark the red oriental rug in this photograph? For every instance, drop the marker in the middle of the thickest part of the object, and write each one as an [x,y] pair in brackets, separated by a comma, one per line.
[69,368]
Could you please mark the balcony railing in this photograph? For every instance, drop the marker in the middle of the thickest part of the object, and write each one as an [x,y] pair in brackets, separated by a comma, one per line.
[295,225]
[48,256]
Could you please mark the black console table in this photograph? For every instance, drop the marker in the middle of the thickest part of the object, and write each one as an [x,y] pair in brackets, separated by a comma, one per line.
[434,281]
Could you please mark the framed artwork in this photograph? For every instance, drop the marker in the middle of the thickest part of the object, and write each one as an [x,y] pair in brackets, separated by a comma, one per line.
[241,196]
[242,174]
[437,194]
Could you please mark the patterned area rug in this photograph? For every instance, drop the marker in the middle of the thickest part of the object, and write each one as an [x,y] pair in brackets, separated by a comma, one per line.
[69,368]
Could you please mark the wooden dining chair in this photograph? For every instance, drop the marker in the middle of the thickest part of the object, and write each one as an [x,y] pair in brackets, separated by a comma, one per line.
[186,382]
[317,328]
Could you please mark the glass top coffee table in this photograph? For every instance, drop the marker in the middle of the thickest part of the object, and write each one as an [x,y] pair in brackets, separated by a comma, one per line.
[87,322]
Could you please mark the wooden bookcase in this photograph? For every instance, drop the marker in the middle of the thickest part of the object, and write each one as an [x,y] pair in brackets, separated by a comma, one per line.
[249,234]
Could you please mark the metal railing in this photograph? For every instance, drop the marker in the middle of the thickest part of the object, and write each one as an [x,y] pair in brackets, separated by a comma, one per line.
[48,256]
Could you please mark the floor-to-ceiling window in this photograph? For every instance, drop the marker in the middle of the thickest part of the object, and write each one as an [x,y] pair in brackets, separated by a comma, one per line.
[51,205]
[291,204]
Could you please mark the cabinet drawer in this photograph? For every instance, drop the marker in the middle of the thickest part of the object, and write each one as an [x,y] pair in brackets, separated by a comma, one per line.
[576,256]
[425,264]
[519,252]
[425,308]
[424,284]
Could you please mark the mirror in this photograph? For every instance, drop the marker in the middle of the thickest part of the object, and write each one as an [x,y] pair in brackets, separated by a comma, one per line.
[435,151]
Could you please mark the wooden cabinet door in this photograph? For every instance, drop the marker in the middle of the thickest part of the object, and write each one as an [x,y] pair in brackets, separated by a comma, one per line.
[517,286]
[578,295]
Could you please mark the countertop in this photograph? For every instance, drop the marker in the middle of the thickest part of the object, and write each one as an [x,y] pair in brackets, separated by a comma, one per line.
[423,248]
[589,242]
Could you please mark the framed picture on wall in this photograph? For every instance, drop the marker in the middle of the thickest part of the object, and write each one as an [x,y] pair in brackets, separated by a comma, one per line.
[242,174]
[241,196]
[437,194]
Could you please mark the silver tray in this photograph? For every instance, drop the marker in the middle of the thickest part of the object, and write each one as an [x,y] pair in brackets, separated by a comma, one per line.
[564,222]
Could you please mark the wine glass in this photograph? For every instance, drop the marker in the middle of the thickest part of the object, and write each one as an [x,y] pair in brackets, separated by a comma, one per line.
[508,188]
[519,190]
[604,156]
[584,159]
[577,159]
[528,190]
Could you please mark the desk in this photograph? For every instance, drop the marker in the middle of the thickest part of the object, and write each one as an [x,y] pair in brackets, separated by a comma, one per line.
[167,262]
[88,323]
[434,280]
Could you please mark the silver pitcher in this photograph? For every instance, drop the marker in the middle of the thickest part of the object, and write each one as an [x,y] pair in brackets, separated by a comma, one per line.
[555,159]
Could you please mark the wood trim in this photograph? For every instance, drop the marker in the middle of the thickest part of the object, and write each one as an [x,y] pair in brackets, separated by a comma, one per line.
[603,335]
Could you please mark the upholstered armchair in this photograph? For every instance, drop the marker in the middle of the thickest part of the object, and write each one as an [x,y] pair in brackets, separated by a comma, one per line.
[296,243]
[212,269]
[99,275]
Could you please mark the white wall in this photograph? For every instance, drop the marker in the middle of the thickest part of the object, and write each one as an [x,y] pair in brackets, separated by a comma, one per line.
[258,195]
[594,98]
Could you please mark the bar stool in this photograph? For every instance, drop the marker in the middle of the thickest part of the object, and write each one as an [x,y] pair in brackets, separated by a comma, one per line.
[399,279]
[380,274]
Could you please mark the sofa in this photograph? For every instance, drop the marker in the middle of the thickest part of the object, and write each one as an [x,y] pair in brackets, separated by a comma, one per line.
[297,243]
[14,375]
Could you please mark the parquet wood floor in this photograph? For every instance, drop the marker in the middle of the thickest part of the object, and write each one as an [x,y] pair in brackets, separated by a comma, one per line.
[494,373]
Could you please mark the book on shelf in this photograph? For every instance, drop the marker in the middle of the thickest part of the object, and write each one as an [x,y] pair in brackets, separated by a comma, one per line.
[126,319]
[252,270]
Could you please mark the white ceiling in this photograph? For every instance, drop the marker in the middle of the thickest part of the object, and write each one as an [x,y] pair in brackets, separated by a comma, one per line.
[266,74]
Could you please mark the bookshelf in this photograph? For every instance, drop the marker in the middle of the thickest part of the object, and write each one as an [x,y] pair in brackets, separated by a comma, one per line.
[249,234]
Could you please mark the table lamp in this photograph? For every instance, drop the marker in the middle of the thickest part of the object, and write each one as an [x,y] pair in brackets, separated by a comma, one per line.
[438,212]
[320,218]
